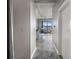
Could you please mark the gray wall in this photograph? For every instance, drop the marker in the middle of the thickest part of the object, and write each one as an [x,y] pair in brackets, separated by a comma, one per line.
[21,29]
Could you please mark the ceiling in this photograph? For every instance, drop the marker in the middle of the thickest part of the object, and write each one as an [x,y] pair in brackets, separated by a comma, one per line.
[46,1]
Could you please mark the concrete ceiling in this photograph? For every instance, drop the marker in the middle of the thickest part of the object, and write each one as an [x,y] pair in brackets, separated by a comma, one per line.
[46,1]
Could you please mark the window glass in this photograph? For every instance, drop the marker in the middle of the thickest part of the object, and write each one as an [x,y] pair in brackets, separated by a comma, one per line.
[49,23]
[44,23]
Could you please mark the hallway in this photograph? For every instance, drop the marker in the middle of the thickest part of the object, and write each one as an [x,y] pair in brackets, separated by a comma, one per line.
[45,48]
[40,29]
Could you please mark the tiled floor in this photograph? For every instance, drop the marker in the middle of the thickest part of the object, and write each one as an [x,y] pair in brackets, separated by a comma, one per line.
[45,42]
[43,54]
[45,48]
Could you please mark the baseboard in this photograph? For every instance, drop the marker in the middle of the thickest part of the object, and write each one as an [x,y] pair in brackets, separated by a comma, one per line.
[33,53]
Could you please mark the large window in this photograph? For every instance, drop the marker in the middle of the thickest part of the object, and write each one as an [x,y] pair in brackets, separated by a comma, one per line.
[47,23]
[46,26]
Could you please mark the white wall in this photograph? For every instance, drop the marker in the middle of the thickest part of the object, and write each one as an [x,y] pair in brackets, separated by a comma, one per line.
[21,29]
[62,15]
[33,28]
[65,16]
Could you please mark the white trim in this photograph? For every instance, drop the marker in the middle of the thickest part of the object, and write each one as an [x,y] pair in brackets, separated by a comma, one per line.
[11,12]
[33,53]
